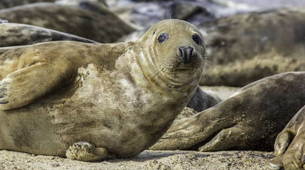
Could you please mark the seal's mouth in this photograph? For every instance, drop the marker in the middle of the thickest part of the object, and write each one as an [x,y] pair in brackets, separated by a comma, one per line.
[177,70]
[181,75]
[189,65]
[183,66]
[184,69]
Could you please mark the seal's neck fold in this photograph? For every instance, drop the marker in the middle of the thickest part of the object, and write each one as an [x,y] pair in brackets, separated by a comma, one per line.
[149,65]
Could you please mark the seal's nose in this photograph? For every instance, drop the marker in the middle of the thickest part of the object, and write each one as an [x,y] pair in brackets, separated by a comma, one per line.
[186,53]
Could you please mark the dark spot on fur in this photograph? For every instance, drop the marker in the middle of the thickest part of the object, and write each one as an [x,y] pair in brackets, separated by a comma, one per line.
[126,138]
[9,54]
[86,17]
[299,34]
[21,137]
[90,7]
[224,28]
[131,79]
[14,31]
[40,36]
[55,36]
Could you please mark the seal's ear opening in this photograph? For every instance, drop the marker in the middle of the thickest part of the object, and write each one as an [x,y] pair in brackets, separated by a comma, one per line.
[162,38]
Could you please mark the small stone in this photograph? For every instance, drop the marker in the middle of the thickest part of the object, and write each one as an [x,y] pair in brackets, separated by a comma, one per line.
[55,165]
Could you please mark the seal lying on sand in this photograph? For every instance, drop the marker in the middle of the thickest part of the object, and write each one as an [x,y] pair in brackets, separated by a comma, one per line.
[247,47]
[11,3]
[289,145]
[21,34]
[202,100]
[87,21]
[250,119]
[93,101]
[77,2]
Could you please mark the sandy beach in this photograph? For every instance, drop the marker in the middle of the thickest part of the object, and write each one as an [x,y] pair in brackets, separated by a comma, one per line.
[147,160]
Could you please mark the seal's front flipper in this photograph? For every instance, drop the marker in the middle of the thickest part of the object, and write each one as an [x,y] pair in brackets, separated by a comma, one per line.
[282,141]
[275,163]
[289,147]
[281,144]
[30,83]
[84,151]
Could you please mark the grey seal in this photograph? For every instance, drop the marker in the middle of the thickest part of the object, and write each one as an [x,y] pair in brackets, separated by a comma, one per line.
[21,34]
[248,47]
[203,100]
[250,119]
[95,101]
[99,24]
[289,145]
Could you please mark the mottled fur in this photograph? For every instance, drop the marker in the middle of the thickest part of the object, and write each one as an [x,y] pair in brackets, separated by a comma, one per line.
[12,3]
[120,98]
[21,34]
[247,47]
[100,25]
[250,119]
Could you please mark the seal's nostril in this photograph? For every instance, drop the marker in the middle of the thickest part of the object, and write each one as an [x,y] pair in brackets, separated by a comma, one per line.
[186,53]
[181,50]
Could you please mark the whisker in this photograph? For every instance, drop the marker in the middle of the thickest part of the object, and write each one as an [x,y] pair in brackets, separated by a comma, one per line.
[205,77]
[209,62]
[206,66]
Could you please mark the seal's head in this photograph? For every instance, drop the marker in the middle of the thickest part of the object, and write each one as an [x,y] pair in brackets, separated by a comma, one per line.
[172,50]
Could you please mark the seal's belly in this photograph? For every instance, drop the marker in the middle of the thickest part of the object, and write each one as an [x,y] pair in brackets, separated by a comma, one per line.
[112,110]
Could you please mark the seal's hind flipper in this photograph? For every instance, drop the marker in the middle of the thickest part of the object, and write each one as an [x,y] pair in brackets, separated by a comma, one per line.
[30,83]
[84,151]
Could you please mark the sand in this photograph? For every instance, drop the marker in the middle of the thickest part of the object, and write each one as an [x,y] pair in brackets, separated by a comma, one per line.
[147,160]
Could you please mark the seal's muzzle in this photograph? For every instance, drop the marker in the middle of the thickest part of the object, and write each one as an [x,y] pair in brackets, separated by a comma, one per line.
[186,53]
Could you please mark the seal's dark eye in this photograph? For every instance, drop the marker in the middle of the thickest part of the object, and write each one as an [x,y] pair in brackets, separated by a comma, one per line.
[162,38]
[197,39]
